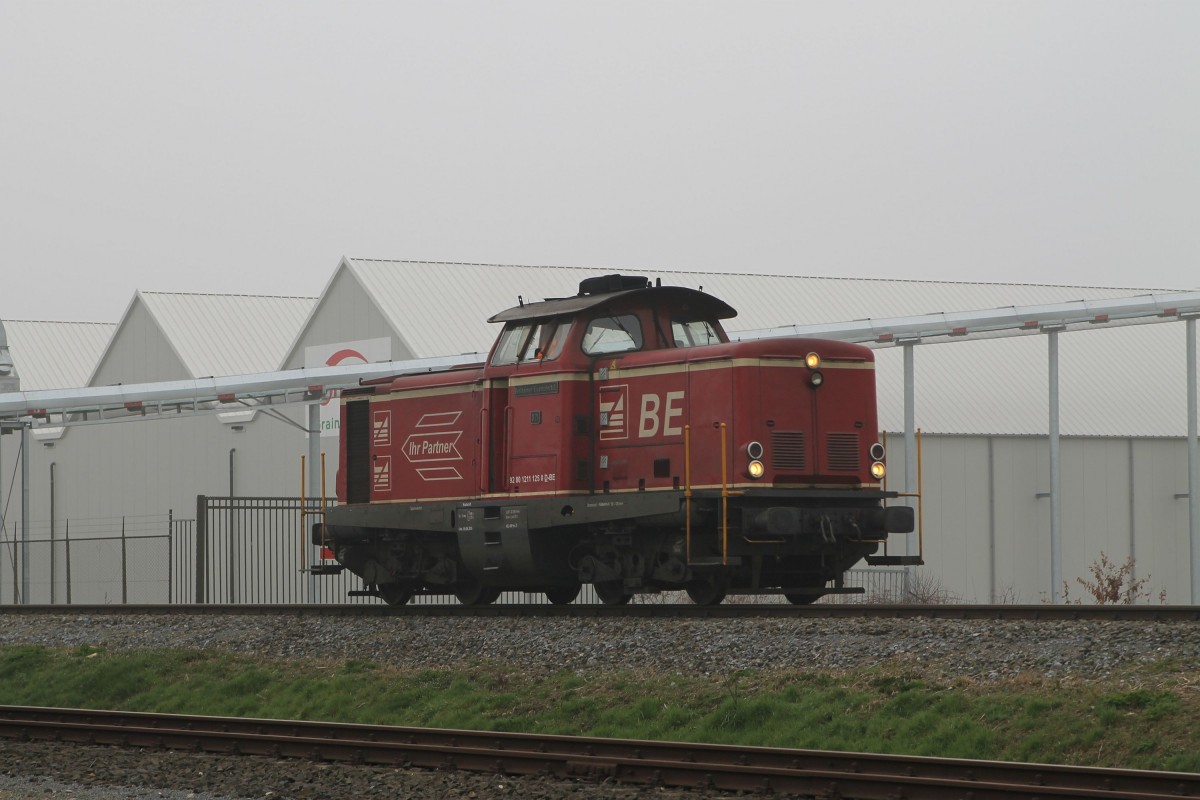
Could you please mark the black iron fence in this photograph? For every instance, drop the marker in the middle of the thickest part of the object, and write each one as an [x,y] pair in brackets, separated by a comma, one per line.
[237,550]
[256,550]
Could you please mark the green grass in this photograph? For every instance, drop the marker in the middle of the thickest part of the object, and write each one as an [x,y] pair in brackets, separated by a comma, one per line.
[1147,719]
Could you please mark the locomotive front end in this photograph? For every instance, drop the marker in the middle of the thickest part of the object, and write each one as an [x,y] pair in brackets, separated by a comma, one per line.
[802,499]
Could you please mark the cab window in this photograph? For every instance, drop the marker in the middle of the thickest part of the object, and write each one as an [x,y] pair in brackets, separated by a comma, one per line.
[554,340]
[513,339]
[616,334]
[694,334]
[531,341]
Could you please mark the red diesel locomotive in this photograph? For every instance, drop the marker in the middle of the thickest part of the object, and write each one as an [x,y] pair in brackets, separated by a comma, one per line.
[616,438]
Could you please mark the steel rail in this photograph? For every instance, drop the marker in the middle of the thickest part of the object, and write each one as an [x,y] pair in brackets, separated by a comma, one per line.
[1144,613]
[718,767]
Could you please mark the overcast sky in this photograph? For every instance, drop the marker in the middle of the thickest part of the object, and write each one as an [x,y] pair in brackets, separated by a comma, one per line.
[244,147]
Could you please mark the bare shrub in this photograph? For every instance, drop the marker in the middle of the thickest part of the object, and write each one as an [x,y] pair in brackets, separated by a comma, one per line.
[1113,584]
[1009,597]
[926,589]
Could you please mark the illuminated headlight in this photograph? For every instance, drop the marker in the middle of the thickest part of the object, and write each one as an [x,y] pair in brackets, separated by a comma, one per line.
[816,379]
[878,470]
[812,360]
[754,450]
[755,469]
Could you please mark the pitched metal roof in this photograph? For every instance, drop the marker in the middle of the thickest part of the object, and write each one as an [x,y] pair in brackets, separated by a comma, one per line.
[226,334]
[56,355]
[419,297]
[1126,381]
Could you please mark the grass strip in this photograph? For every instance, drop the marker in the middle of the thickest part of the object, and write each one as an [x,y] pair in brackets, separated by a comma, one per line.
[1147,718]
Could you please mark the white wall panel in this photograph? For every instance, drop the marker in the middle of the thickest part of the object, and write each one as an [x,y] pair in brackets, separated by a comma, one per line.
[1161,542]
[1096,507]
[956,529]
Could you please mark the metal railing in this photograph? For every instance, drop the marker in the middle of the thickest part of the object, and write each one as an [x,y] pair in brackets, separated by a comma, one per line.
[242,550]
[256,550]
[98,560]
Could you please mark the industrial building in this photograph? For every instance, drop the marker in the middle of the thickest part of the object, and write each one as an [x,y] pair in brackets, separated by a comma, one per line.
[981,404]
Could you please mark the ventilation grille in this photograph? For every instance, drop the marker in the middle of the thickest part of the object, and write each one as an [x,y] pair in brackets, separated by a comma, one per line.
[787,450]
[842,452]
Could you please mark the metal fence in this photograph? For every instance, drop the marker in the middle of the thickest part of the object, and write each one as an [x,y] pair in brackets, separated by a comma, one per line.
[244,550]
[132,559]
[256,550]
[253,550]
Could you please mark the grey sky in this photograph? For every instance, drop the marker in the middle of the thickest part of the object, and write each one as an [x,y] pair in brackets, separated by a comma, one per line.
[245,147]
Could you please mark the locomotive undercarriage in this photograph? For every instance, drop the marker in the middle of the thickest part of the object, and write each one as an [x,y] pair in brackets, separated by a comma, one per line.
[749,546]
[797,555]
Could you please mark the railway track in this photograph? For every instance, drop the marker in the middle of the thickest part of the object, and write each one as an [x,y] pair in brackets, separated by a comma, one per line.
[1148,613]
[695,766]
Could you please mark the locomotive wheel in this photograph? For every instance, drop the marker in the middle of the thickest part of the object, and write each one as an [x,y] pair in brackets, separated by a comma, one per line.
[394,594]
[476,594]
[707,590]
[612,593]
[563,595]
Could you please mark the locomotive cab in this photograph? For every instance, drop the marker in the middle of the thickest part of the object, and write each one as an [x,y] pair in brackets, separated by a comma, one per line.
[618,438]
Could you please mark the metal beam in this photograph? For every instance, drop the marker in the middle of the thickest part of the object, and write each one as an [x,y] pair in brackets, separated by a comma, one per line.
[289,386]
[1007,321]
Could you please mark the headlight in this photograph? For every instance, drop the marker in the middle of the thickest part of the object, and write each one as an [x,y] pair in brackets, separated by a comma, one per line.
[877,451]
[812,360]
[816,379]
[755,469]
[754,450]
[878,470]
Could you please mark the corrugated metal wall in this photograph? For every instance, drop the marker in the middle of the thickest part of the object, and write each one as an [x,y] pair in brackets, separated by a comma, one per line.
[987,513]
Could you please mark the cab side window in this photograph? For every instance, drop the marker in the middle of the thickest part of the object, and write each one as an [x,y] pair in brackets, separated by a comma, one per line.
[615,334]
[513,340]
[694,333]
[531,341]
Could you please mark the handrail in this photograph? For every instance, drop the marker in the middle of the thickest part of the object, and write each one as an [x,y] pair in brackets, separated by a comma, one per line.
[724,500]
[305,512]
[687,489]
[919,494]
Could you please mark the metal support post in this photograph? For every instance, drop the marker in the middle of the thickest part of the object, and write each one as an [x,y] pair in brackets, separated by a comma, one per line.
[53,582]
[124,566]
[1193,461]
[25,512]
[67,538]
[315,492]
[201,546]
[170,555]
[1056,580]
[3,504]
[910,444]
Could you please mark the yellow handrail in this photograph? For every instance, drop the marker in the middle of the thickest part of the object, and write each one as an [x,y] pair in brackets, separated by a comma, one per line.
[304,512]
[724,500]
[687,488]
[920,500]
[919,494]
[303,552]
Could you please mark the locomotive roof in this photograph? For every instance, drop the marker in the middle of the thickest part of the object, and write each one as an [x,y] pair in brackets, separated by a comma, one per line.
[703,304]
